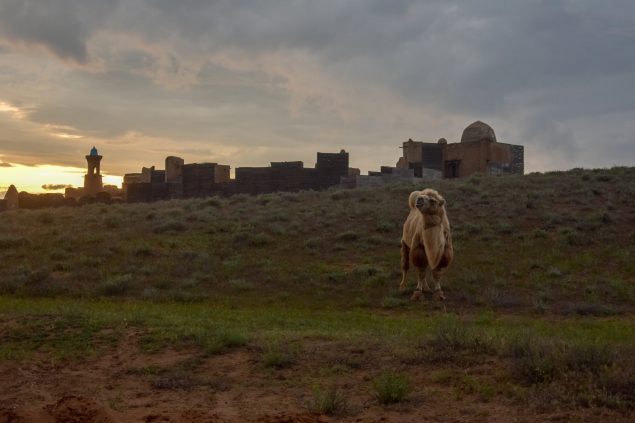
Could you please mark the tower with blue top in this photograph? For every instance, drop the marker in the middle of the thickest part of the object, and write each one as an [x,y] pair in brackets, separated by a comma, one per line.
[93,182]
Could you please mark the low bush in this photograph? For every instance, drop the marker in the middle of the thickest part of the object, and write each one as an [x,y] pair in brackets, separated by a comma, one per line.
[391,387]
[116,285]
[170,226]
[392,302]
[328,402]
[259,240]
[278,356]
[348,236]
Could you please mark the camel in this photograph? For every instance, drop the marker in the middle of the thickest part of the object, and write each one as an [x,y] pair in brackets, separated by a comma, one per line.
[426,241]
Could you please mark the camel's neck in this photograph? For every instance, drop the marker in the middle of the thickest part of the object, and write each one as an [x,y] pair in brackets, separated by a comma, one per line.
[431,221]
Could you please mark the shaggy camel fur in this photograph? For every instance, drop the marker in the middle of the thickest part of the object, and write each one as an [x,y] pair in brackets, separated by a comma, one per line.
[426,241]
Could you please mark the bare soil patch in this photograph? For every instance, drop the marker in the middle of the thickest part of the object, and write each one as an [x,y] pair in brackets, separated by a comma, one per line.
[121,385]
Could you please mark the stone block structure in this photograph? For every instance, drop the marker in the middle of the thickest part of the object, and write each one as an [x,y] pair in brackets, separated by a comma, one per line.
[181,180]
[478,151]
[11,198]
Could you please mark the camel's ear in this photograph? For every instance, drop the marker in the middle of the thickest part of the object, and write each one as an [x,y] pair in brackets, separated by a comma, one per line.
[441,203]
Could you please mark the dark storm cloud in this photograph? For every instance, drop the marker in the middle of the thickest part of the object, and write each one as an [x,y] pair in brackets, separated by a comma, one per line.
[61,26]
[187,76]
[3,164]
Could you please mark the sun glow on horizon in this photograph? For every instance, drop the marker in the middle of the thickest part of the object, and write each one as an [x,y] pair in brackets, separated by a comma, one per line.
[31,178]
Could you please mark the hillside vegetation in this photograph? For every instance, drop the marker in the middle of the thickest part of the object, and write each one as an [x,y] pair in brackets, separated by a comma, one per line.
[543,281]
[558,242]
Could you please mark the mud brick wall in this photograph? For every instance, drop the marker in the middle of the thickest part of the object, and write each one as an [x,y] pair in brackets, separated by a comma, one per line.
[430,174]
[392,175]
[253,180]
[432,156]
[39,201]
[145,193]
[518,159]
[199,180]
[139,193]
[348,182]
[310,180]
[363,181]
[175,188]
[417,168]
[286,176]
[331,167]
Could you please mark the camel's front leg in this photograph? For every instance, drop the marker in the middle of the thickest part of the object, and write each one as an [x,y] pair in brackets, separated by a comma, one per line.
[422,286]
[436,275]
[405,264]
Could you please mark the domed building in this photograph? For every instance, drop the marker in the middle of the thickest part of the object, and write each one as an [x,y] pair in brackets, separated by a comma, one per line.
[478,131]
[478,151]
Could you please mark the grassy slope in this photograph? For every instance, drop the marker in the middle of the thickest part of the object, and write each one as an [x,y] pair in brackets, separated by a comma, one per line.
[221,272]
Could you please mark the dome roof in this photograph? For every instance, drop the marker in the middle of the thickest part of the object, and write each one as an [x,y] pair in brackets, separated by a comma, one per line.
[478,131]
[93,152]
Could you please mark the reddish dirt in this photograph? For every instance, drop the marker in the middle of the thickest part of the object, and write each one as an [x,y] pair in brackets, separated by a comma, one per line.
[235,387]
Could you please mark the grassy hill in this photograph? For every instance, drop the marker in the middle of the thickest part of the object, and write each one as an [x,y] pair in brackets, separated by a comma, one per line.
[543,280]
[559,242]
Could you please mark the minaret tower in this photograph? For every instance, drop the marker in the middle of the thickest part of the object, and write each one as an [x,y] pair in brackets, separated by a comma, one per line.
[93,180]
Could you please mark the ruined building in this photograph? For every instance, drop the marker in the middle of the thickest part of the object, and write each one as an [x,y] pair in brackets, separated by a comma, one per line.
[478,151]
[180,180]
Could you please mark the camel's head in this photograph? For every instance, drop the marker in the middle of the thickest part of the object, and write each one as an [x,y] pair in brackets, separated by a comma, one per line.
[430,204]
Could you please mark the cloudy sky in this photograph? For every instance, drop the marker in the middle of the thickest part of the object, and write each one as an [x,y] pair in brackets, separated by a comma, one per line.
[245,83]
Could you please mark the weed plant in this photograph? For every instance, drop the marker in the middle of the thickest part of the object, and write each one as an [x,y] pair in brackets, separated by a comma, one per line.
[391,387]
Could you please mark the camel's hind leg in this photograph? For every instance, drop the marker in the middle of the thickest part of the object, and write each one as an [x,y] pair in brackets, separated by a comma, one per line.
[405,264]
[448,256]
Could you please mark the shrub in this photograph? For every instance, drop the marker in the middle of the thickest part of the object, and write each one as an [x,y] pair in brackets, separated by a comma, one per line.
[602,217]
[539,364]
[11,242]
[277,356]
[328,402]
[142,249]
[452,335]
[348,236]
[376,281]
[588,358]
[339,195]
[314,242]
[113,222]
[215,342]
[392,302]
[169,226]
[115,285]
[473,228]
[385,226]
[45,218]
[569,236]
[391,387]
[241,237]
[539,233]
[241,285]
[259,240]
[505,228]
[212,202]
[365,272]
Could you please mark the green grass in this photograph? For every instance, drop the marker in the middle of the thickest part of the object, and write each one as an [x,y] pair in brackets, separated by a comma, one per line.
[542,276]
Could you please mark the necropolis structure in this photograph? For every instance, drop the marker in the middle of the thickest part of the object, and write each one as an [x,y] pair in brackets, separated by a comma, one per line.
[181,180]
